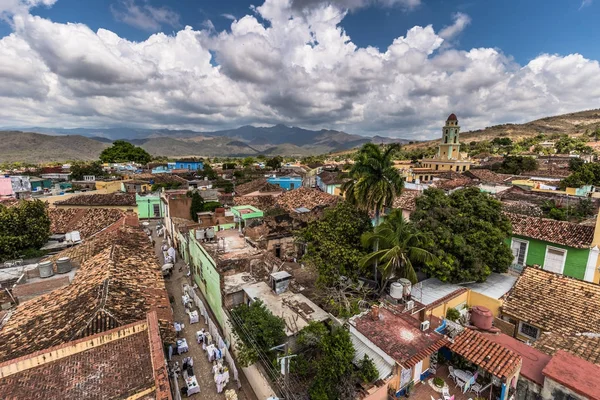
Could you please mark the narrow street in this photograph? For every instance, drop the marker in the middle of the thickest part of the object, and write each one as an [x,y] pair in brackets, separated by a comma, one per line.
[202,367]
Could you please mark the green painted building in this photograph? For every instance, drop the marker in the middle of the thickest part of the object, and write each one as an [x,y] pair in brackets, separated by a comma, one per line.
[148,206]
[557,246]
[243,214]
[39,184]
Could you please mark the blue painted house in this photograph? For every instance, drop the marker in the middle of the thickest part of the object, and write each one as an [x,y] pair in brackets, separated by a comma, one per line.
[191,165]
[286,182]
[161,169]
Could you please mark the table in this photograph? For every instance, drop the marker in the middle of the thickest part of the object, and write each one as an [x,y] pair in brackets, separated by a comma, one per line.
[193,316]
[192,385]
[182,346]
[185,299]
[464,376]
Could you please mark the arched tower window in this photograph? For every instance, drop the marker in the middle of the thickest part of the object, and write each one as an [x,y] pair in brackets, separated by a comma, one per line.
[454,139]
[445,139]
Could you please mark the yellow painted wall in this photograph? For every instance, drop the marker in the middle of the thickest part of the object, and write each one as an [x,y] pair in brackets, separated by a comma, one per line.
[596,242]
[478,299]
[440,310]
[108,187]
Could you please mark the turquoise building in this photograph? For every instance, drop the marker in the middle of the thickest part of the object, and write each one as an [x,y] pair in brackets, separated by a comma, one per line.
[148,206]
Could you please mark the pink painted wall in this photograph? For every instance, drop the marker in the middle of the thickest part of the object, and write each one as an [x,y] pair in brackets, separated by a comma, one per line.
[5,187]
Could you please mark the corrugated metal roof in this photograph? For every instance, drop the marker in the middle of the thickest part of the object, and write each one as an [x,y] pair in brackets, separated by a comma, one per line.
[385,367]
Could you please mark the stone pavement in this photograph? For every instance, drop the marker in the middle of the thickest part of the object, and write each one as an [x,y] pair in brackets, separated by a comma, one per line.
[202,367]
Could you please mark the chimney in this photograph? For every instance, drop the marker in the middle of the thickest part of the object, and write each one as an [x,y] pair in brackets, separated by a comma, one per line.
[375,312]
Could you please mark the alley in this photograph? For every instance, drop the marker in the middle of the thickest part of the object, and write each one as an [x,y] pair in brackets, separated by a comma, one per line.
[202,367]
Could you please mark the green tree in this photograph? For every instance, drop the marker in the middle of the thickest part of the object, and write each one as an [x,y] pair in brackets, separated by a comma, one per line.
[207,172]
[516,164]
[400,246]
[587,174]
[467,231]
[258,330]
[374,182]
[575,164]
[197,204]
[123,151]
[275,162]
[248,161]
[333,243]
[367,370]
[23,227]
[80,169]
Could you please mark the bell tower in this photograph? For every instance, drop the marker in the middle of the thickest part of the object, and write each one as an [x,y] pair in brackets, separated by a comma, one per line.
[449,149]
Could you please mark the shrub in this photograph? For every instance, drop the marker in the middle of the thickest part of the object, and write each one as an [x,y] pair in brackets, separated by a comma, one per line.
[439,382]
[452,314]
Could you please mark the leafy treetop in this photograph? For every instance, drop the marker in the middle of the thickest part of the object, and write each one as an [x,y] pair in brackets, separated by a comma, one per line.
[22,227]
[123,151]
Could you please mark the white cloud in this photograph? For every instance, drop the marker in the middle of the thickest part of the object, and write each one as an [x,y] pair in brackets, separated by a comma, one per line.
[144,16]
[461,21]
[301,68]
[229,16]
[355,4]
[9,8]
[585,3]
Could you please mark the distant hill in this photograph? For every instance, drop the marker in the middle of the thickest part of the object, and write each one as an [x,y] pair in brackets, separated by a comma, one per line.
[244,141]
[572,124]
[34,147]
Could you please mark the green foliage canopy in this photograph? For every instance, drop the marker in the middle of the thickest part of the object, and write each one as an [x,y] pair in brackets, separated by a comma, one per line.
[587,174]
[275,162]
[197,204]
[258,330]
[80,169]
[333,243]
[468,230]
[123,151]
[516,164]
[22,227]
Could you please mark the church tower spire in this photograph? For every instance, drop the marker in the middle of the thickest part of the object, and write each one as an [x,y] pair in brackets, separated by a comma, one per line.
[449,149]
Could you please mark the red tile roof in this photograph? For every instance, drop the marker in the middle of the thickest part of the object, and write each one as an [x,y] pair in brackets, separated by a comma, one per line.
[88,221]
[487,354]
[574,373]
[399,336]
[110,199]
[581,345]
[554,302]
[118,283]
[407,200]
[534,360]
[549,230]
[307,198]
[117,364]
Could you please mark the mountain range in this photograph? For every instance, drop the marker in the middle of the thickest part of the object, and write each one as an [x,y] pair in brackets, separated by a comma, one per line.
[244,141]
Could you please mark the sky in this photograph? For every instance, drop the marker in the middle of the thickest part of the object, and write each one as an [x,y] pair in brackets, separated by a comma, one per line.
[373,67]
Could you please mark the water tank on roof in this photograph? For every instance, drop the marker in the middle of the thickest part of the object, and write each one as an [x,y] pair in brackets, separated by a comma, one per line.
[406,287]
[396,290]
[482,317]
[46,269]
[199,234]
[63,265]
[210,233]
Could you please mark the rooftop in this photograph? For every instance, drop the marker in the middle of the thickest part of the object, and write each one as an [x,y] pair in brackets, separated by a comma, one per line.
[493,357]
[332,178]
[399,336]
[235,283]
[305,197]
[110,199]
[87,221]
[549,230]
[534,360]
[295,308]
[433,290]
[407,200]
[586,346]
[257,186]
[495,286]
[578,375]
[488,176]
[554,302]
[118,283]
[86,367]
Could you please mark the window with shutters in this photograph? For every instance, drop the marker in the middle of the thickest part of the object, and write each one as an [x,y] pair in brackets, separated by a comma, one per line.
[519,250]
[555,259]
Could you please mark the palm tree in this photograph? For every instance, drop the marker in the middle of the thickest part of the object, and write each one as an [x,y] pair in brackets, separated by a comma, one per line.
[374,183]
[400,246]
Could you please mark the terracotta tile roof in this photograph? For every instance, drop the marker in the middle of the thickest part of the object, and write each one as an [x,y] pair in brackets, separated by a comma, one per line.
[87,221]
[331,178]
[487,354]
[407,200]
[117,285]
[549,230]
[486,175]
[534,360]
[162,178]
[305,197]
[110,199]
[257,185]
[583,346]
[84,368]
[261,202]
[453,183]
[554,302]
[574,373]
[399,336]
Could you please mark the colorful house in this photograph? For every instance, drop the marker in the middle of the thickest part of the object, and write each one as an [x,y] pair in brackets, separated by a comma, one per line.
[161,169]
[243,214]
[330,182]
[190,165]
[148,206]
[556,246]
[39,184]
[286,182]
